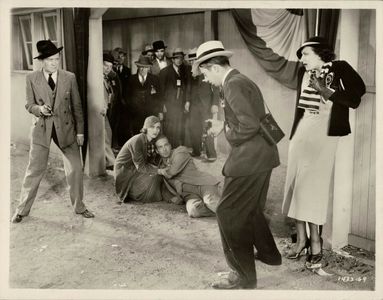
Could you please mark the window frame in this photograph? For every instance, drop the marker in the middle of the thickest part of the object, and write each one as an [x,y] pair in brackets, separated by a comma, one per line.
[39,30]
[24,42]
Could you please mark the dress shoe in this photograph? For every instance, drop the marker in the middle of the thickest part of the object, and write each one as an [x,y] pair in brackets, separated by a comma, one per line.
[292,254]
[87,214]
[230,281]
[17,218]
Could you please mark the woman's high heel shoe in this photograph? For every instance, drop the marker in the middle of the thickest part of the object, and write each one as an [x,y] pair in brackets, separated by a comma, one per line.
[314,259]
[292,254]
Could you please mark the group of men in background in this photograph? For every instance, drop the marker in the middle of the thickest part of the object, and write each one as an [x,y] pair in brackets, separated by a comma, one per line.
[162,86]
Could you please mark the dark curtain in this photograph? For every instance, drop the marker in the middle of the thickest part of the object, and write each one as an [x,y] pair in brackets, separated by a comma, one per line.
[328,23]
[76,41]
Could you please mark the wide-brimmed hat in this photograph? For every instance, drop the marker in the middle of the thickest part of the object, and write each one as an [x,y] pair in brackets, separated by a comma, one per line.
[46,48]
[178,52]
[208,50]
[192,55]
[158,45]
[143,61]
[316,42]
[148,48]
[108,57]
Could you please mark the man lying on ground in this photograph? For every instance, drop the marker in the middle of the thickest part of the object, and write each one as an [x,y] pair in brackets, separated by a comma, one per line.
[185,182]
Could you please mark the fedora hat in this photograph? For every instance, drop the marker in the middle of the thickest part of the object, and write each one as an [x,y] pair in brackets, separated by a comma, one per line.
[192,55]
[108,57]
[143,61]
[178,52]
[46,48]
[158,45]
[208,50]
[119,50]
[148,48]
[316,42]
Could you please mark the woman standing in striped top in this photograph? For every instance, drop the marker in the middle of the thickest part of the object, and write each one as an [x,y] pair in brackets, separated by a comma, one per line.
[326,90]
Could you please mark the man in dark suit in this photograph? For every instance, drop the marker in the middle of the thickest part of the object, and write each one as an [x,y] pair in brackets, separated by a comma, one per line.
[160,61]
[203,106]
[143,99]
[149,52]
[174,80]
[54,100]
[119,111]
[247,170]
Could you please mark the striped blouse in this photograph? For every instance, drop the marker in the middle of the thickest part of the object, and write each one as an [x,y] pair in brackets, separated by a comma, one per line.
[310,98]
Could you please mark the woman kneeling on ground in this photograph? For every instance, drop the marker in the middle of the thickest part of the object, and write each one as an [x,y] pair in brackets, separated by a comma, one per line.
[135,170]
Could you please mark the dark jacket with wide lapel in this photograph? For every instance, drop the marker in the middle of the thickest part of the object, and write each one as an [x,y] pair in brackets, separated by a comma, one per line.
[244,108]
[201,97]
[144,99]
[155,69]
[67,108]
[168,84]
[349,88]
[124,76]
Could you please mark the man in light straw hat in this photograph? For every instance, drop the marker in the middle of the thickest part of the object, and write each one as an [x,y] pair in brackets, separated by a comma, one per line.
[143,96]
[54,101]
[247,170]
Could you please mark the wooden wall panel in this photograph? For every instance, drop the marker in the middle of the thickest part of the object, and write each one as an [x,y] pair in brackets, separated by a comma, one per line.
[185,31]
[363,206]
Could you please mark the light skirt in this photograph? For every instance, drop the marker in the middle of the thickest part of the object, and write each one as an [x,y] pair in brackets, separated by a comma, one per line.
[310,170]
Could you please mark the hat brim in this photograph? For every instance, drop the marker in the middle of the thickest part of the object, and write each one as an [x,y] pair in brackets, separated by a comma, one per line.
[197,62]
[310,44]
[178,55]
[142,65]
[146,51]
[45,55]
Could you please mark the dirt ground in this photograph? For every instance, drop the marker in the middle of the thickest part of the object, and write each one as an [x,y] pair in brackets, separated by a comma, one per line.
[153,246]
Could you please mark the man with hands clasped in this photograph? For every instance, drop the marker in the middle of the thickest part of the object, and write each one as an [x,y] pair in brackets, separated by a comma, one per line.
[53,98]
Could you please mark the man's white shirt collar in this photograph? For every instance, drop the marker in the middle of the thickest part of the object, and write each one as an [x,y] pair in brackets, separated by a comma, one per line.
[54,75]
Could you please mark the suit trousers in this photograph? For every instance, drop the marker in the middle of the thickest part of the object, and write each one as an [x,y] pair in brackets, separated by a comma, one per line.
[242,224]
[201,200]
[38,161]
[109,155]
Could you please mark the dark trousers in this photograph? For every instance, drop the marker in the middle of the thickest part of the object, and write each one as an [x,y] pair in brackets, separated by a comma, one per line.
[242,223]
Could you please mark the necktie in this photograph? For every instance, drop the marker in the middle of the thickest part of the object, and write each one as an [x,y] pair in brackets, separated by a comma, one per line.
[51,82]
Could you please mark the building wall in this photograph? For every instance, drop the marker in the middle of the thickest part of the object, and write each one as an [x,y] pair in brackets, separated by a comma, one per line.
[185,31]
[21,120]
[362,233]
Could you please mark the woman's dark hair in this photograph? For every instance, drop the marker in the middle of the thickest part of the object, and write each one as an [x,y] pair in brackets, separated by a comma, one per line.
[326,54]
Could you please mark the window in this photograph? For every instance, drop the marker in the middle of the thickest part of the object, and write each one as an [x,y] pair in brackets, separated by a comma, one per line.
[26,35]
[30,26]
[50,27]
